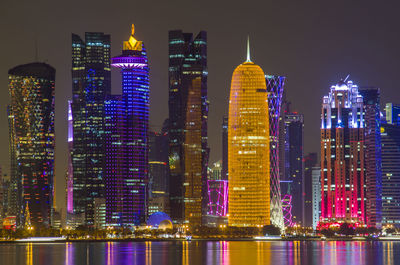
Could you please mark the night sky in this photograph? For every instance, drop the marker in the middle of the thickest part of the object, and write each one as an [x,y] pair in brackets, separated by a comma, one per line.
[313,43]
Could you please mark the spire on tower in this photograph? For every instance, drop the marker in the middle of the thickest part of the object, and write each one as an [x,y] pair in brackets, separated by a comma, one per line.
[248,50]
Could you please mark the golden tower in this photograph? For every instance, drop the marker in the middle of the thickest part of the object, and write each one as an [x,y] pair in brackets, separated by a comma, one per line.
[248,147]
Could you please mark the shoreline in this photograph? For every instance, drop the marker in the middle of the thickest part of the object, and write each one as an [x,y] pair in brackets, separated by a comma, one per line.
[16,241]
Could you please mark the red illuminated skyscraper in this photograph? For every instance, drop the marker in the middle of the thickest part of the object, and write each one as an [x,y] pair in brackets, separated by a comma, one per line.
[343,187]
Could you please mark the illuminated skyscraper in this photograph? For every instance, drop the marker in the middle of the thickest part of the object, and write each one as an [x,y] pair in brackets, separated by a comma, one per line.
[31,88]
[343,186]
[126,138]
[373,160]
[188,116]
[248,147]
[292,183]
[70,173]
[275,91]
[91,83]
[390,133]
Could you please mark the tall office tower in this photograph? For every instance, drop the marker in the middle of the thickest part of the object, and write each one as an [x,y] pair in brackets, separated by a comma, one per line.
[248,147]
[158,173]
[188,116]
[292,183]
[316,196]
[69,187]
[126,138]
[342,155]
[373,161]
[275,91]
[310,161]
[31,88]
[91,82]
[390,138]
[225,148]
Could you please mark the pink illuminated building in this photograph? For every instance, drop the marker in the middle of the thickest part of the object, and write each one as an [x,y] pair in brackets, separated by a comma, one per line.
[70,177]
[343,186]
[217,197]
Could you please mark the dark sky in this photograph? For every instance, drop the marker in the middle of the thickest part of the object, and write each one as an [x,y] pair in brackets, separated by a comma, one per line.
[312,43]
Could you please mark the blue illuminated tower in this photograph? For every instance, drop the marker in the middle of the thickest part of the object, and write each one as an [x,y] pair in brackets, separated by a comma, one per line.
[275,88]
[91,83]
[126,138]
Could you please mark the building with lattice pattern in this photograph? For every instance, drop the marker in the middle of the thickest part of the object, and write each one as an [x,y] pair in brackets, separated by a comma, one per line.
[31,88]
[275,91]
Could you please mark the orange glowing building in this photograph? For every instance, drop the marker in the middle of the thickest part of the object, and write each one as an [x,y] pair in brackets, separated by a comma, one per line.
[193,154]
[248,147]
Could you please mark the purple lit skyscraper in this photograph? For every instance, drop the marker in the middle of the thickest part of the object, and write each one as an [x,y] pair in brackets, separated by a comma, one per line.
[275,90]
[126,139]
[70,175]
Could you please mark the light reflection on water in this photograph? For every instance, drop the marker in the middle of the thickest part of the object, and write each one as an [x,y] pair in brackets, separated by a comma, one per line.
[202,252]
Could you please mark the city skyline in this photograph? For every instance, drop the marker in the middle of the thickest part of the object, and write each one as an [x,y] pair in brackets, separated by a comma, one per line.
[274,59]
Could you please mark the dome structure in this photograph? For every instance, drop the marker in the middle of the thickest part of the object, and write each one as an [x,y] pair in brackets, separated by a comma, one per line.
[160,220]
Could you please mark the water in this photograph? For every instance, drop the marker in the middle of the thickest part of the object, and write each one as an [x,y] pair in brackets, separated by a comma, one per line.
[201,252]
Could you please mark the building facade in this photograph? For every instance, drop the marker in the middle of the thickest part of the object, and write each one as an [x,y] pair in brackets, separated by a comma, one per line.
[390,138]
[293,178]
[248,147]
[316,196]
[91,83]
[373,160]
[188,116]
[343,187]
[158,173]
[275,92]
[31,88]
[310,161]
[126,139]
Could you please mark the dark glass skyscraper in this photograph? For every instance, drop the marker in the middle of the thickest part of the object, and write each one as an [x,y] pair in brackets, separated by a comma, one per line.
[31,88]
[310,162]
[126,138]
[158,172]
[91,83]
[188,116]
[293,181]
[373,161]
[390,133]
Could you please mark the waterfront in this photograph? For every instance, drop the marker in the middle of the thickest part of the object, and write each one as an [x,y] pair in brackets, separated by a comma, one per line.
[202,252]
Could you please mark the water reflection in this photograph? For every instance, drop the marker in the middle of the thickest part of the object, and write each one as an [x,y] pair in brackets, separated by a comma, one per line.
[202,252]
[29,258]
